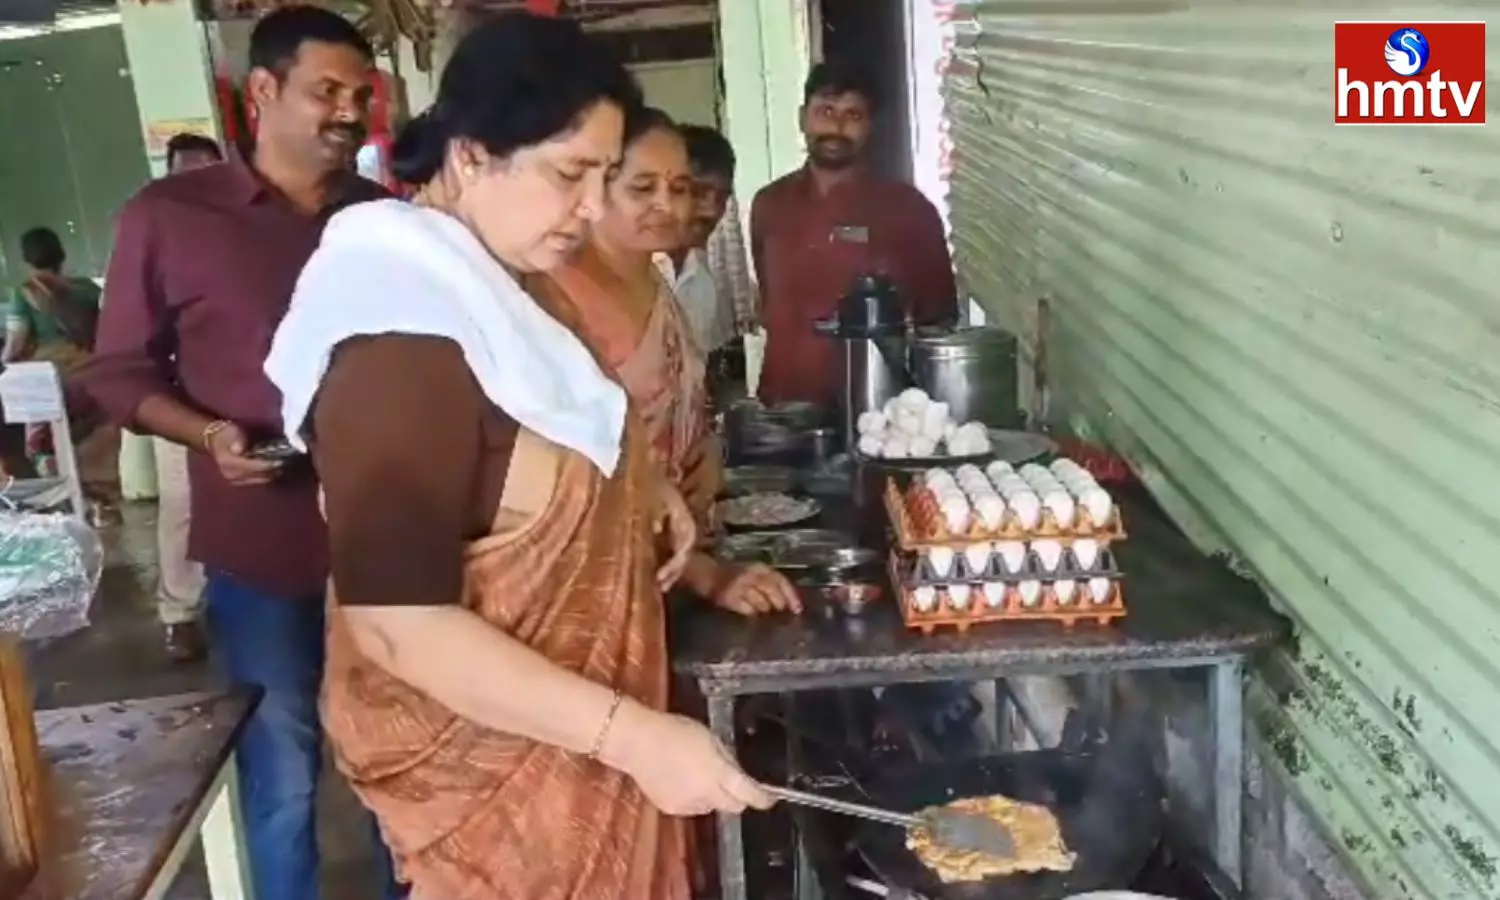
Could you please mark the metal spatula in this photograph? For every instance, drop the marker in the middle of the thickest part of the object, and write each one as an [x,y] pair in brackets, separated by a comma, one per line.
[948,827]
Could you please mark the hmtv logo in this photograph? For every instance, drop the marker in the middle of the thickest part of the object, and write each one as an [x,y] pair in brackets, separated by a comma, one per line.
[1392,73]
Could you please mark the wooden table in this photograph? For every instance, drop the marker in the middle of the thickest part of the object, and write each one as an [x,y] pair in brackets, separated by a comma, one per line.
[134,784]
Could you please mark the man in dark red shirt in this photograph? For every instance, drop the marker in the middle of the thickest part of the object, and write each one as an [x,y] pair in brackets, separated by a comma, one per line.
[816,230]
[202,272]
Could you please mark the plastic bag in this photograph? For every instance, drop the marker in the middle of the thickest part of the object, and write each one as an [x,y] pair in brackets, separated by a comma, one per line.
[49,570]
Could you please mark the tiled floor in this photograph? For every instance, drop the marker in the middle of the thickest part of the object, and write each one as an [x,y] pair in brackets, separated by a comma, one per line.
[121,655]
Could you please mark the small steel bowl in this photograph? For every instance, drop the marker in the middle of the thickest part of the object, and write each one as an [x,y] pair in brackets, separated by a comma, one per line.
[851,597]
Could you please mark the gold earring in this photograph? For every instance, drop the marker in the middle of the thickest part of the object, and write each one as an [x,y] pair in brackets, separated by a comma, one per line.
[471,172]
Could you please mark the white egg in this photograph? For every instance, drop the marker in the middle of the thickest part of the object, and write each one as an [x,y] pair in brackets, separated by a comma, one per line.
[977,557]
[1097,501]
[971,488]
[871,446]
[1077,484]
[932,432]
[1027,507]
[935,418]
[1065,589]
[921,448]
[1060,503]
[1100,589]
[888,409]
[1086,553]
[871,422]
[1013,554]
[977,429]
[1010,484]
[955,513]
[1033,471]
[896,447]
[958,595]
[924,598]
[908,422]
[1030,591]
[969,470]
[914,398]
[937,476]
[941,560]
[991,510]
[958,445]
[1048,552]
[994,594]
[982,489]
[941,492]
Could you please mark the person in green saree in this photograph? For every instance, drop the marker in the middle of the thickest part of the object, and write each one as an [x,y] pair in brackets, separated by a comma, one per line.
[51,317]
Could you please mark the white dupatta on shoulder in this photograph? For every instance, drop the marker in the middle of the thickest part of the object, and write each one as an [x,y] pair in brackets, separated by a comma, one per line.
[389,267]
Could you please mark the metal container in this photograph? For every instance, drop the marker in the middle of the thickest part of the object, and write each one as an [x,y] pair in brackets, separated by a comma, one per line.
[874,372]
[973,370]
[871,330]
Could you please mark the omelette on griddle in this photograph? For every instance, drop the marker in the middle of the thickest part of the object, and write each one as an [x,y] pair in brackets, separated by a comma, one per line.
[1038,842]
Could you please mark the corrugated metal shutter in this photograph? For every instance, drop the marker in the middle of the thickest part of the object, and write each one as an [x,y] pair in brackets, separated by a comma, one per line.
[1293,330]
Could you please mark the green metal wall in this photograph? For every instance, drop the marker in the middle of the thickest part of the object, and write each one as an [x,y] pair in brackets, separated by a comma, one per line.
[1293,330]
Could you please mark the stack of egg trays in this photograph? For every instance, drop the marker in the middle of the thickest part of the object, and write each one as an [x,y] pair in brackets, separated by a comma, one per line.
[916,570]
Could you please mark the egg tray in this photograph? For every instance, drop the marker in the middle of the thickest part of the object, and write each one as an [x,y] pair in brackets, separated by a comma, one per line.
[919,528]
[978,611]
[916,569]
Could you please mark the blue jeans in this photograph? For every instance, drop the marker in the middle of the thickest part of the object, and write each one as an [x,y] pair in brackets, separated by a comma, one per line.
[276,644]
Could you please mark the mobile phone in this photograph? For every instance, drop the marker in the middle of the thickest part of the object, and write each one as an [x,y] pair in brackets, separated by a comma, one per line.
[276,450]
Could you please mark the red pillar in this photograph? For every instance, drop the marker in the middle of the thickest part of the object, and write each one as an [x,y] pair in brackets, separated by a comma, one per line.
[544,7]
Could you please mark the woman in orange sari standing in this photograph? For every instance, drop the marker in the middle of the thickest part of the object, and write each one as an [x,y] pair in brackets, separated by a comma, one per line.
[627,313]
[496,685]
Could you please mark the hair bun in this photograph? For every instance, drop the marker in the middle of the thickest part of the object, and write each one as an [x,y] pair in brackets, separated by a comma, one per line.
[417,156]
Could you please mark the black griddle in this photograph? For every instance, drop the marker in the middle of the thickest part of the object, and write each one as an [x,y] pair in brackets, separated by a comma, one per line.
[1108,803]
[1102,783]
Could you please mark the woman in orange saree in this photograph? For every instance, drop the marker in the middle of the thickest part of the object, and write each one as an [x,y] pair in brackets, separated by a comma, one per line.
[630,318]
[628,315]
[496,683]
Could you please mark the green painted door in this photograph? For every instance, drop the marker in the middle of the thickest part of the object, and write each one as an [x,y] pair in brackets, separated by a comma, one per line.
[36,182]
[102,128]
[76,153]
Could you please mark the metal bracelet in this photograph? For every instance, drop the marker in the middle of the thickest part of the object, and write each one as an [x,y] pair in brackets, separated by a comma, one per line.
[211,429]
[609,719]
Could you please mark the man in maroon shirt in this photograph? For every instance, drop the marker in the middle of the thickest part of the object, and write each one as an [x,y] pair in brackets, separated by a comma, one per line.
[816,230]
[202,272]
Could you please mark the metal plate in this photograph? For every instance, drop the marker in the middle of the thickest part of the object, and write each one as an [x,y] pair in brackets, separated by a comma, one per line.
[1013,447]
[1017,447]
[811,510]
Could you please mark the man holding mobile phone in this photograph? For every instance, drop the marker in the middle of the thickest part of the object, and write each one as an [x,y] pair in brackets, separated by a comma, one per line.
[202,273]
